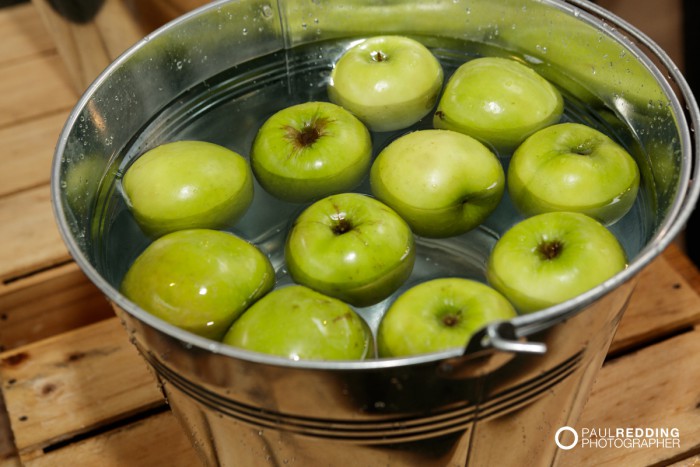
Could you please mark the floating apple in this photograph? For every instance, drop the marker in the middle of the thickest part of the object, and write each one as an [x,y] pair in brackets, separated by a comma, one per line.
[388,82]
[199,280]
[573,167]
[351,247]
[499,101]
[439,314]
[302,324]
[552,257]
[188,185]
[443,183]
[311,150]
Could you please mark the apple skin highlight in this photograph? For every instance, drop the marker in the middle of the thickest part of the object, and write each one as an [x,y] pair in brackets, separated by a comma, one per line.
[549,258]
[439,314]
[443,183]
[298,323]
[388,82]
[199,280]
[573,167]
[499,101]
[351,247]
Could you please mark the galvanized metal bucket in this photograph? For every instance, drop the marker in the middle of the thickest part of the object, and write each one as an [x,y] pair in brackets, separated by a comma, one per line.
[497,402]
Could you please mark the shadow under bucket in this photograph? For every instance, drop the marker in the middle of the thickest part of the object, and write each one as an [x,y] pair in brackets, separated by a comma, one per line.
[217,73]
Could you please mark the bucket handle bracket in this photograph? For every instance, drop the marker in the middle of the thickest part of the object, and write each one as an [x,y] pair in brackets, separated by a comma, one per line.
[502,335]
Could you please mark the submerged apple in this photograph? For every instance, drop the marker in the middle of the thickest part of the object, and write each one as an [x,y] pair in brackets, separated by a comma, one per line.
[388,82]
[188,185]
[199,280]
[573,167]
[443,183]
[549,258]
[499,101]
[351,247]
[311,150]
[302,324]
[439,314]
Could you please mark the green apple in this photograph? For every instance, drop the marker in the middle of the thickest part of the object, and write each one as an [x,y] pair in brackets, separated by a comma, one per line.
[443,183]
[352,247]
[311,150]
[188,185]
[199,280]
[440,314]
[302,324]
[499,101]
[573,167]
[552,257]
[388,82]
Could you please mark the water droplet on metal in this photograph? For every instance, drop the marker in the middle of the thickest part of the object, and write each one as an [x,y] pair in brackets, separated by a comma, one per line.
[267,11]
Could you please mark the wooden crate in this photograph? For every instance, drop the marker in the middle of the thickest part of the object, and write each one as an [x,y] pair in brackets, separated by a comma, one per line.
[76,393]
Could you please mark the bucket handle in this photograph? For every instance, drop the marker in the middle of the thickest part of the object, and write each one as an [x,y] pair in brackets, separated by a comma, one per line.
[502,335]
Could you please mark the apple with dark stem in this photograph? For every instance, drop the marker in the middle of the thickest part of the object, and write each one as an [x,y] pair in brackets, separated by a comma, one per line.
[437,315]
[311,150]
[351,247]
[443,183]
[200,280]
[499,101]
[301,324]
[388,82]
[549,258]
[573,167]
[187,185]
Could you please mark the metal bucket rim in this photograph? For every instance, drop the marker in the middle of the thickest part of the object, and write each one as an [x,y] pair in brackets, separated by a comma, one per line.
[525,325]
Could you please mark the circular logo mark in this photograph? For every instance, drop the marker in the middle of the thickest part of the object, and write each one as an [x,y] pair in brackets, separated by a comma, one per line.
[557,435]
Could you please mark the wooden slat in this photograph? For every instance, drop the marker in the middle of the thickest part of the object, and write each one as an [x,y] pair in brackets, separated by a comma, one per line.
[129,446]
[29,239]
[663,302]
[693,461]
[656,387]
[22,34]
[49,303]
[28,151]
[10,462]
[8,451]
[73,383]
[33,88]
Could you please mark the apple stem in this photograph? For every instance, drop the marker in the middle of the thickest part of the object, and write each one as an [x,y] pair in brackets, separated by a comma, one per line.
[341,226]
[379,56]
[549,250]
[309,133]
[584,149]
[450,320]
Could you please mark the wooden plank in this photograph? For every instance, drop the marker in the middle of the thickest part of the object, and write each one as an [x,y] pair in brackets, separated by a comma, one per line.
[22,34]
[132,445]
[29,239]
[28,151]
[73,383]
[663,302]
[8,451]
[33,88]
[10,462]
[683,265]
[49,303]
[693,461]
[656,387]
